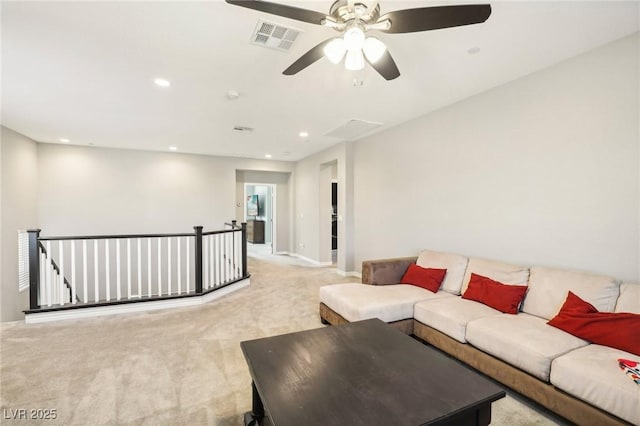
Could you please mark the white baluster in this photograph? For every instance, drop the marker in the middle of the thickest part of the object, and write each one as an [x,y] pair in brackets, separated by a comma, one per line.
[62,289]
[217,245]
[159,266]
[188,266]
[107,270]
[205,261]
[227,256]
[73,272]
[148,267]
[85,285]
[223,257]
[239,253]
[43,277]
[96,295]
[49,273]
[118,270]
[211,259]
[179,266]
[169,266]
[128,268]
[139,268]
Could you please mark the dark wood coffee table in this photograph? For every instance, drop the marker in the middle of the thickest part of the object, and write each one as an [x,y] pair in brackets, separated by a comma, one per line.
[362,373]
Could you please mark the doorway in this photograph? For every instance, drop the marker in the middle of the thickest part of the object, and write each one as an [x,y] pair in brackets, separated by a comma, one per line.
[259,214]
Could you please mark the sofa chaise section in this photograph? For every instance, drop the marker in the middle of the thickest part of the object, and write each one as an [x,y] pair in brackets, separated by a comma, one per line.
[384,297]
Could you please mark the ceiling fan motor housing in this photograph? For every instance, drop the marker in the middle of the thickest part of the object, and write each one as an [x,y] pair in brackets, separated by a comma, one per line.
[342,12]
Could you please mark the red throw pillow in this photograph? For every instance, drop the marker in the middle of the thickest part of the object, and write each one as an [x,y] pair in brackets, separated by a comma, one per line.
[428,278]
[617,330]
[503,297]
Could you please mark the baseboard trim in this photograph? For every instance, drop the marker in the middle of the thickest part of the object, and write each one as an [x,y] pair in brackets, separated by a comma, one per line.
[349,273]
[306,259]
[36,318]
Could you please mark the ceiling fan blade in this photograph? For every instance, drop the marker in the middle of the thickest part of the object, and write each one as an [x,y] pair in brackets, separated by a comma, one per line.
[385,66]
[299,14]
[434,18]
[307,59]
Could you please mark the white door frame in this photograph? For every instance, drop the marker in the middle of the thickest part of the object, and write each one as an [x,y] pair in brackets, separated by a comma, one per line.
[273,187]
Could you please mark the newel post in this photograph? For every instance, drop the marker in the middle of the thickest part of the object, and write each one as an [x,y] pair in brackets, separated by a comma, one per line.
[244,249]
[34,268]
[198,259]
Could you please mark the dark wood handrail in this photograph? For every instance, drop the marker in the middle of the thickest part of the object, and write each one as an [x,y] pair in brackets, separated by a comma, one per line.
[112,237]
[224,231]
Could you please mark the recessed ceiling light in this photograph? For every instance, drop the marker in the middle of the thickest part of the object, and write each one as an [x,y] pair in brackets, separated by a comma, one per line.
[304,134]
[162,82]
[64,140]
[473,50]
[173,148]
[267,156]
[232,95]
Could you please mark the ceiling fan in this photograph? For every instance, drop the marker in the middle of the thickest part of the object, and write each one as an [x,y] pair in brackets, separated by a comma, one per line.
[354,18]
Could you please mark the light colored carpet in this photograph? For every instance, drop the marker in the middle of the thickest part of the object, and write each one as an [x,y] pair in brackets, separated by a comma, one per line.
[178,367]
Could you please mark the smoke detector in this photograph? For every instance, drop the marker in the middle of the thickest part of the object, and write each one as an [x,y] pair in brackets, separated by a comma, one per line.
[274,36]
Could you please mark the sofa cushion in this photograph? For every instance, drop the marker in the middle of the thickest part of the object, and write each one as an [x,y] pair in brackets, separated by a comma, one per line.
[548,290]
[618,330]
[522,340]
[355,302]
[505,298]
[455,265]
[593,375]
[428,278]
[629,299]
[499,271]
[451,315]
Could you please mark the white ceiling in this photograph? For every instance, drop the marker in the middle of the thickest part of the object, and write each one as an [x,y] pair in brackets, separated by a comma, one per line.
[84,71]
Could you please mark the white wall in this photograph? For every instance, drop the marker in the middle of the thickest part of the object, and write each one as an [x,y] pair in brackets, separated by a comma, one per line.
[19,211]
[85,190]
[543,170]
[309,178]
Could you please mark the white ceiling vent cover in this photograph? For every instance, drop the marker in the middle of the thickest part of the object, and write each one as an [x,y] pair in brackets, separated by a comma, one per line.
[353,129]
[274,36]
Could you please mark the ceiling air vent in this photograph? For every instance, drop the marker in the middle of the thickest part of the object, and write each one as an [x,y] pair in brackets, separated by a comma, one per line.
[274,36]
[353,129]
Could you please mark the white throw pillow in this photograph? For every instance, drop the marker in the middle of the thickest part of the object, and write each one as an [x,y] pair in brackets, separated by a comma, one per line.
[455,265]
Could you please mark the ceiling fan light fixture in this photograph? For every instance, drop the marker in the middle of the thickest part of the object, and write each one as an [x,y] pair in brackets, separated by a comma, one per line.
[354,38]
[354,60]
[373,49]
[335,50]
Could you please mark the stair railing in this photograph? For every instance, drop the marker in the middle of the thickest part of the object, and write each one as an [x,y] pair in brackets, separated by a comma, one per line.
[100,270]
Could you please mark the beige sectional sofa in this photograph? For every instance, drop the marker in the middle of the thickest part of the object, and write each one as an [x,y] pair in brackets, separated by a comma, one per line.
[578,380]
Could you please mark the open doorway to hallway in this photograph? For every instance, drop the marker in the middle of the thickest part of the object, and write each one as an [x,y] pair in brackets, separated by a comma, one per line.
[329,216]
[259,214]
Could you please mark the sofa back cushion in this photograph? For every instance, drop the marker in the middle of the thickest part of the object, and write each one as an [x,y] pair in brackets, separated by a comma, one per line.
[548,289]
[455,265]
[505,273]
[629,299]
